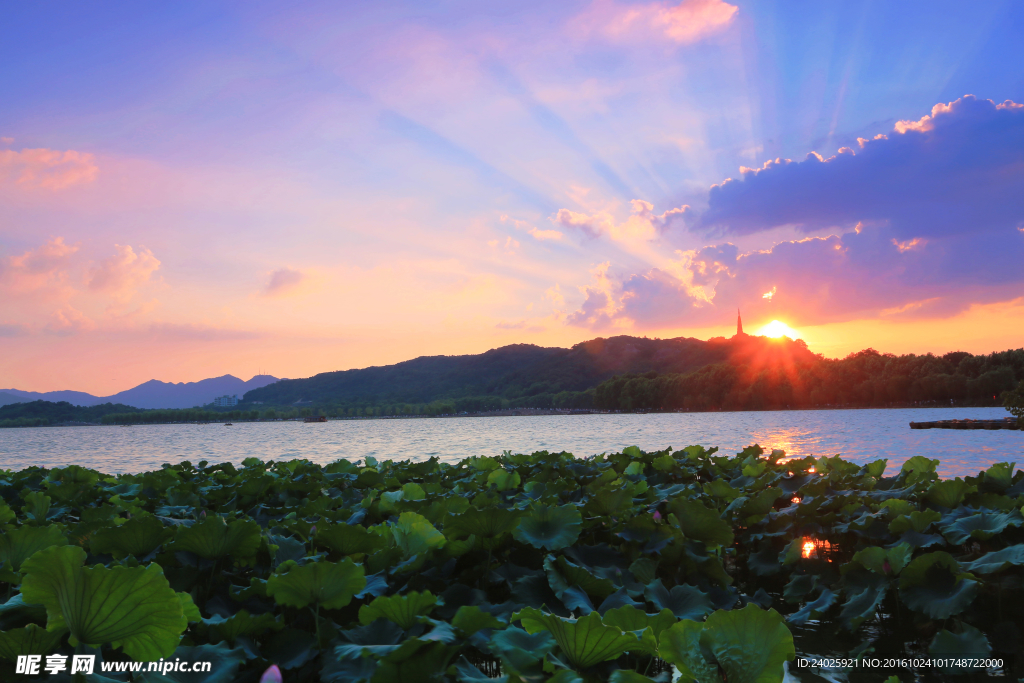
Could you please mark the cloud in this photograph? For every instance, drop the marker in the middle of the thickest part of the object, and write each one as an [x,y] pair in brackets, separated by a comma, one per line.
[67,321]
[12,330]
[190,332]
[601,304]
[46,168]
[641,225]
[955,171]
[124,272]
[37,268]
[927,223]
[6,141]
[283,281]
[686,22]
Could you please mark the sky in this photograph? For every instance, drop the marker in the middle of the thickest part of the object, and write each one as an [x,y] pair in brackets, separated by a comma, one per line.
[192,189]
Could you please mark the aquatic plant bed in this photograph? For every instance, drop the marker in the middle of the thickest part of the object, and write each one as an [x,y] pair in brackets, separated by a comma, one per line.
[627,567]
[1005,423]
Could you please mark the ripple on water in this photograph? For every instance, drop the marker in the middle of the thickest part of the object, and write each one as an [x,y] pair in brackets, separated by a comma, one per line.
[857,435]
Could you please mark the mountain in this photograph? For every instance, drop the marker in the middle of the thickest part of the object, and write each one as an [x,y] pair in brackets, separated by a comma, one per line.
[511,372]
[7,399]
[153,394]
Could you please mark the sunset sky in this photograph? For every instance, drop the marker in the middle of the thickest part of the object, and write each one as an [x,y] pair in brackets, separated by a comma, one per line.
[189,189]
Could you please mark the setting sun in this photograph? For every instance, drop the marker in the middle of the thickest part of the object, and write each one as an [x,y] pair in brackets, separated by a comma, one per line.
[777,328]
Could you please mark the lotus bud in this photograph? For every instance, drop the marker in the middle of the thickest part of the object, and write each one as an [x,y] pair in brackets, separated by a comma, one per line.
[312,530]
[657,516]
[886,567]
[271,675]
[202,515]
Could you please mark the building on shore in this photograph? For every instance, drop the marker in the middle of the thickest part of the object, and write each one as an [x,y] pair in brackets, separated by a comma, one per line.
[225,401]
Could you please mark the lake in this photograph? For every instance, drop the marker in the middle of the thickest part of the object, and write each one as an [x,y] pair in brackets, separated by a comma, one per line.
[858,435]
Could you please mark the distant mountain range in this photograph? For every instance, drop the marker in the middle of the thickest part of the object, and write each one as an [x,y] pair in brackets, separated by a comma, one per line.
[151,394]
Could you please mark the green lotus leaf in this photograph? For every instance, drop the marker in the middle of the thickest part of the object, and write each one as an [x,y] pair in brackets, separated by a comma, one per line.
[139,536]
[664,463]
[684,601]
[895,507]
[414,534]
[519,648]
[214,539]
[241,624]
[993,562]
[549,527]
[765,562]
[189,608]
[413,491]
[949,492]
[701,523]
[644,570]
[919,468]
[585,641]
[37,506]
[7,514]
[749,644]
[934,585]
[469,619]
[488,524]
[865,591]
[503,480]
[721,489]
[970,643]
[224,663]
[799,586]
[610,501]
[563,575]
[377,638]
[649,626]
[981,526]
[129,607]
[30,640]
[885,561]
[403,610]
[349,539]
[814,609]
[17,545]
[330,585]
[918,521]
[998,477]
[761,504]
[681,646]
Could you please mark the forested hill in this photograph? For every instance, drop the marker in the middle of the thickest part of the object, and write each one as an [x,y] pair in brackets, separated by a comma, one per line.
[522,374]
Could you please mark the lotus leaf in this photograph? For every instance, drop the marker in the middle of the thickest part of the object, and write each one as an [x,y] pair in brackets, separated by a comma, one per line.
[990,563]
[950,492]
[415,535]
[585,641]
[981,526]
[330,585]
[403,610]
[37,506]
[549,527]
[882,561]
[684,601]
[378,638]
[224,663]
[139,536]
[214,539]
[933,585]
[488,524]
[30,640]
[813,609]
[349,539]
[503,480]
[970,643]
[627,676]
[750,645]
[918,521]
[701,523]
[919,468]
[650,626]
[469,619]
[466,672]
[563,574]
[241,624]
[998,477]
[17,545]
[129,607]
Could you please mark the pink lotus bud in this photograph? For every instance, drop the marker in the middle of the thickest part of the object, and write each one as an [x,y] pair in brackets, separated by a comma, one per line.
[271,675]
[657,516]
[312,530]
[886,567]
[202,515]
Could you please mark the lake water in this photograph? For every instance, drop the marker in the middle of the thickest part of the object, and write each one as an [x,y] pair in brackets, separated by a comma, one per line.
[858,435]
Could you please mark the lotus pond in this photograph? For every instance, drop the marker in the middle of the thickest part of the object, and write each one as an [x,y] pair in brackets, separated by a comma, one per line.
[628,567]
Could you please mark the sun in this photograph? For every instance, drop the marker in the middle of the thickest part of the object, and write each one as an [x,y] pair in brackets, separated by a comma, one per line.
[776,329]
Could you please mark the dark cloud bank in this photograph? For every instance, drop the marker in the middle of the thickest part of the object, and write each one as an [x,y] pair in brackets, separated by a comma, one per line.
[927,220]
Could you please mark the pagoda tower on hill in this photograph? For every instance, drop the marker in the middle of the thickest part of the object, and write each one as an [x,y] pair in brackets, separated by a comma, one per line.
[739,324]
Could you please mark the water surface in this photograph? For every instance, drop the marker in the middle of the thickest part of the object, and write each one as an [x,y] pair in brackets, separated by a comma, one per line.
[858,435]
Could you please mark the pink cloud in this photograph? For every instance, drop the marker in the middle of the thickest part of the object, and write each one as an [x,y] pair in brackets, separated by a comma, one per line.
[686,22]
[283,281]
[46,168]
[37,268]
[68,320]
[124,272]
[641,224]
